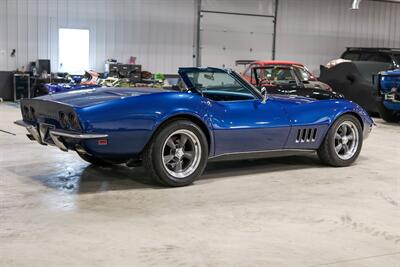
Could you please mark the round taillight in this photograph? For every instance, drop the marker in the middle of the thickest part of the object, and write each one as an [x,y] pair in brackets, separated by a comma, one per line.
[73,121]
[64,120]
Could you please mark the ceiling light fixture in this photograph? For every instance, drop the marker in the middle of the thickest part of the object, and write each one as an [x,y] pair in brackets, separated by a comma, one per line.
[356,4]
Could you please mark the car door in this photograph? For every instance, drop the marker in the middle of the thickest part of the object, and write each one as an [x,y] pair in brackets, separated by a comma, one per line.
[241,121]
[248,125]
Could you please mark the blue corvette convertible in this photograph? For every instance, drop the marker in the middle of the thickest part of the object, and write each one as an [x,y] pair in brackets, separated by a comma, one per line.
[215,115]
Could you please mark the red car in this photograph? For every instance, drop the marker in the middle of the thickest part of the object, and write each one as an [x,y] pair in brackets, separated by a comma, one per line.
[286,77]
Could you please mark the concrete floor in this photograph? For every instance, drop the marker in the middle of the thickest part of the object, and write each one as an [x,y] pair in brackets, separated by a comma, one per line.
[56,210]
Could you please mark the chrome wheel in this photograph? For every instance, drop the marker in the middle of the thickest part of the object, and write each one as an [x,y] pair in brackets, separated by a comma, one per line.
[181,153]
[346,140]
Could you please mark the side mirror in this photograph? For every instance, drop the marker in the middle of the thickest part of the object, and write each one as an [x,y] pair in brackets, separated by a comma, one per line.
[264,95]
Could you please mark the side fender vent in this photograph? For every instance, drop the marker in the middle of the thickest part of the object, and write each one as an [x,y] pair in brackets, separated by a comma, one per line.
[306,135]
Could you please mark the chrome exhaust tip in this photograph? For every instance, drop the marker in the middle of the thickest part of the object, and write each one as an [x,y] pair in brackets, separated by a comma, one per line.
[81,150]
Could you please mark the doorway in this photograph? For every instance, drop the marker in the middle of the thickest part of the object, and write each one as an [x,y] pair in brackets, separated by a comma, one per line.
[73,56]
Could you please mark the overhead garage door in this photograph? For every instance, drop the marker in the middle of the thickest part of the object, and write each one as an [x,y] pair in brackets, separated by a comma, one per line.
[225,38]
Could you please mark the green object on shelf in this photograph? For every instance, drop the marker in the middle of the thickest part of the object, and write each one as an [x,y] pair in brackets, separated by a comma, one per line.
[159,76]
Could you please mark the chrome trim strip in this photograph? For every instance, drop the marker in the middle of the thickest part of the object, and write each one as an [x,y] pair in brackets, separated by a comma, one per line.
[289,150]
[57,142]
[44,129]
[77,135]
[32,130]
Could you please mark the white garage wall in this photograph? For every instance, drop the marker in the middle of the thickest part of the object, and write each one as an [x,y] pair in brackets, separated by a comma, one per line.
[161,32]
[315,31]
[225,38]
[158,32]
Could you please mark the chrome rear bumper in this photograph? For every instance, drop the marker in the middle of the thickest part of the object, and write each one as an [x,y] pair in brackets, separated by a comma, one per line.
[42,131]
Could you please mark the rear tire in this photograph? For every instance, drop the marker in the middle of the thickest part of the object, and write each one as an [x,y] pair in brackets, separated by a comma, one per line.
[343,142]
[386,114]
[177,154]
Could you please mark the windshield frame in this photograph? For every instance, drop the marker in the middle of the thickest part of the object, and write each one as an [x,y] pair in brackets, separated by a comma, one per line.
[183,72]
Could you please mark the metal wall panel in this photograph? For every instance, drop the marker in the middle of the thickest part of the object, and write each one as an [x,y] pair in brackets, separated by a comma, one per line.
[226,38]
[3,35]
[161,32]
[32,36]
[158,32]
[232,30]
[12,33]
[316,31]
[257,7]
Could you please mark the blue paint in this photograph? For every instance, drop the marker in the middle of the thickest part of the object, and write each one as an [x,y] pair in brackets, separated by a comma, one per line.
[130,116]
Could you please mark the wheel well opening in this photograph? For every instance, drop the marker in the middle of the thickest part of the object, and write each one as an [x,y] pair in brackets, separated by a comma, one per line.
[191,118]
[358,118]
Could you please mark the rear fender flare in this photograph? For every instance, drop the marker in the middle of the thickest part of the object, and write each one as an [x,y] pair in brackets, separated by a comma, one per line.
[203,122]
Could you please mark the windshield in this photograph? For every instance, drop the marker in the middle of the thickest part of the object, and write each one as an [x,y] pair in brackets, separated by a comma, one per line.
[219,85]
[214,81]
[275,74]
[304,74]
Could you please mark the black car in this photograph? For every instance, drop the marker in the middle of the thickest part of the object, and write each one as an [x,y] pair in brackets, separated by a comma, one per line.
[284,79]
[352,75]
[389,56]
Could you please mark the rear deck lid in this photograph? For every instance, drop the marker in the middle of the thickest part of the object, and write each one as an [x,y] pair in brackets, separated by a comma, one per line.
[83,98]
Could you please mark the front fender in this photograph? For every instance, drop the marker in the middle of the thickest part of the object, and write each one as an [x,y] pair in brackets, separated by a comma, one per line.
[321,115]
[366,121]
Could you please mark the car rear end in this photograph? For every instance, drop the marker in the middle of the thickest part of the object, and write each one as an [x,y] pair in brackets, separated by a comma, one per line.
[54,123]
[107,123]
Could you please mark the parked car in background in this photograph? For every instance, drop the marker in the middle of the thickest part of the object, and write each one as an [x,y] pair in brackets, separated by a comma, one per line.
[389,56]
[287,78]
[388,94]
[352,74]
[76,82]
[216,115]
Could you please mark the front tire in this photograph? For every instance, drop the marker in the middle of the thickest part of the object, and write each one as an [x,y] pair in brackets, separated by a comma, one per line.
[343,142]
[177,154]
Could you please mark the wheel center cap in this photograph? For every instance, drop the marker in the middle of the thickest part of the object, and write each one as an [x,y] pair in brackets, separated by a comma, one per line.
[179,153]
[345,140]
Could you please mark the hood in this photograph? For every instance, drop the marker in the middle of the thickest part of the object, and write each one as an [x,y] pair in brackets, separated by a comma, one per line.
[83,98]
